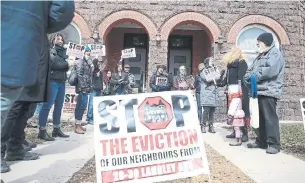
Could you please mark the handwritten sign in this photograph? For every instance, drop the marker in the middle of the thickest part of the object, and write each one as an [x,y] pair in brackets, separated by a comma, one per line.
[148,137]
[97,50]
[212,74]
[129,53]
[75,50]
[161,81]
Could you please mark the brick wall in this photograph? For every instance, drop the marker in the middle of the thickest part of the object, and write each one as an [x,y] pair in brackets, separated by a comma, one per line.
[225,14]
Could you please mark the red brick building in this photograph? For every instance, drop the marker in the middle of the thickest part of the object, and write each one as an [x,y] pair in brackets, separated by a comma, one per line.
[186,32]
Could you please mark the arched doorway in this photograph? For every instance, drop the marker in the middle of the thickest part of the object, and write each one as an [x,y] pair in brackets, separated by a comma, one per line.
[128,29]
[190,37]
[246,40]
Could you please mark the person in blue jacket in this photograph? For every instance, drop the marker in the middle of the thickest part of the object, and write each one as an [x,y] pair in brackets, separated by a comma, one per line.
[25,53]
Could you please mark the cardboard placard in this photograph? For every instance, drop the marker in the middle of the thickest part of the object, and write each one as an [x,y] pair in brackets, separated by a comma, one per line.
[129,53]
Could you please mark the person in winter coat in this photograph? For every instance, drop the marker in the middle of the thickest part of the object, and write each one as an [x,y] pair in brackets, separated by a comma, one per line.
[24,29]
[182,81]
[209,98]
[268,68]
[97,85]
[131,78]
[106,84]
[59,68]
[237,66]
[197,86]
[160,81]
[119,81]
[83,88]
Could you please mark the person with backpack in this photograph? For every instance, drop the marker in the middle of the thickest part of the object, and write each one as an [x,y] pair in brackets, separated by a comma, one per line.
[83,88]
[59,68]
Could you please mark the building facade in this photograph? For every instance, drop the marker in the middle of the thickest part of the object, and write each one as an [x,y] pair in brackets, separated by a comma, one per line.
[177,33]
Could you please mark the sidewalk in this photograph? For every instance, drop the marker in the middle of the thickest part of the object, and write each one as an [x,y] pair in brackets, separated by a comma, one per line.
[59,160]
[261,167]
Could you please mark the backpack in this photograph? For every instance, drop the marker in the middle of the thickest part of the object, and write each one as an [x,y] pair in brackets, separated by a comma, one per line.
[72,79]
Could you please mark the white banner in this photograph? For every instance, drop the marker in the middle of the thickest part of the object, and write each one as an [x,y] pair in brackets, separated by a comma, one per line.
[129,53]
[75,50]
[148,137]
[97,50]
[302,102]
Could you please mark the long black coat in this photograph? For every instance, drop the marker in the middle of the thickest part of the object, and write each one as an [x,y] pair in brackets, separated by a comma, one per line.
[236,71]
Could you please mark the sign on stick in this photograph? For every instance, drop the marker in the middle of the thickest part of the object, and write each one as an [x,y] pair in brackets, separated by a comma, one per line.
[75,50]
[148,137]
[97,50]
[129,53]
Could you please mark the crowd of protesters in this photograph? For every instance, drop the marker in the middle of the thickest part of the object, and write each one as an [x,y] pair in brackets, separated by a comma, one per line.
[25,93]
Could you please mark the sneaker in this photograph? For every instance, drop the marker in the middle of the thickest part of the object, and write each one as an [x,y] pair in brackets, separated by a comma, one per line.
[272,150]
[255,145]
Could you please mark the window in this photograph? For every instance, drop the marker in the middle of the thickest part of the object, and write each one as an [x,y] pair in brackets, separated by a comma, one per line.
[135,41]
[246,40]
[180,42]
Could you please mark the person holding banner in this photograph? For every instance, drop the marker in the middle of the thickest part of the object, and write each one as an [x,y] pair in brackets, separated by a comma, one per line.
[59,68]
[268,68]
[97,85]
[183,82]
[236,63]
[119,81]
[160,80]
[209,98]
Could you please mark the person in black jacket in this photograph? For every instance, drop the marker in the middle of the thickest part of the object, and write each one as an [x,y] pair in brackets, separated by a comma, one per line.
[97,85]
[236,69]
[161,81]
[59,68]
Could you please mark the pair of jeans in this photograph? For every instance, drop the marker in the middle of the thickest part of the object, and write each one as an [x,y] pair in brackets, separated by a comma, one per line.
[199,109]
[38,109]
[208,115]
[14,134]
[81,105]
[269,129]
[57,97]
[8,96]
[95,93]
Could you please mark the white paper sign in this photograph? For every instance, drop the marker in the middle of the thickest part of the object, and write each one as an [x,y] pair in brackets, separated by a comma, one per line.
[97,50]
[75,50]
[129,53]
[148,137]
[302,102]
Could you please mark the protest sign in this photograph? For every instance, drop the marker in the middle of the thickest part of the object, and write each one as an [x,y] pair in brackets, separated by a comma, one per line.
[75,50]
[302,102]
[148,137]
[212,74]
[161,81]
[70,101]
[97,50]
[129,53]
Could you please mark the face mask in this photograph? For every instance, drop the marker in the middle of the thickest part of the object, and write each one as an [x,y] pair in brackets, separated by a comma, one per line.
[87,57]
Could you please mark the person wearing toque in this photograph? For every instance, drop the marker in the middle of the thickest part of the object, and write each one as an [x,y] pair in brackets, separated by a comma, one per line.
[268,68]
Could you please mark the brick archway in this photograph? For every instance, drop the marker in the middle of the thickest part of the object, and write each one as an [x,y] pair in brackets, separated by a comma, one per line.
[262,20]
[82,25]
[193,18]
[132,16]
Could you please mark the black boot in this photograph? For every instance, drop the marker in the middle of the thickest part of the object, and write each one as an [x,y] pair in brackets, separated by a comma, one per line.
[30,144]
[45,136]
[244,137]
[58,133]
[21,154]
[203,129]
[231,136]
[211,128]
[4,166]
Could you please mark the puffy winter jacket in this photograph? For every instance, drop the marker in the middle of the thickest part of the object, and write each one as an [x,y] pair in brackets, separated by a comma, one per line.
[84,71]
[59,66]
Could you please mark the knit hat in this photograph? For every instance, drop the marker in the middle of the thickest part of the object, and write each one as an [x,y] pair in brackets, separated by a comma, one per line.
[87,49]
[266,38]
